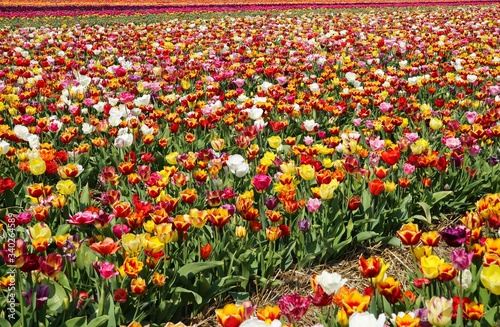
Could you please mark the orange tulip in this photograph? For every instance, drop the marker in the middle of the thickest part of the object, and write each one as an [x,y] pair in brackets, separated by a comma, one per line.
[231,315]
[107,246]
[269,313]
[132,267]
[376,187]
[431,238]
[409,234]
[122,209]
[159,279]
[407,321]
[182,222]
[205,251]
[273,233]
[218,217]
[188,196]
[138,286]
[355,302]
[474,311]
[369,268]
[390,289]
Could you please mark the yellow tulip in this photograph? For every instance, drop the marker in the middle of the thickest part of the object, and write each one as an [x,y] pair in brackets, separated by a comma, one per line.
[490,277]
[152,243]
[326,190]
[274,141]
[37,166]
[435,123]
[172,158]
[132,243]
[268,159]
[149,226]
[66,187]
[430,266]
[389,186]
[288,168]
[422,251]
[241,231]
[307,172]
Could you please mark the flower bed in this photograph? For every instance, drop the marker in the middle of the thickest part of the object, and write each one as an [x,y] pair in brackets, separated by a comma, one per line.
[458,288]
[152,164]
[112,8]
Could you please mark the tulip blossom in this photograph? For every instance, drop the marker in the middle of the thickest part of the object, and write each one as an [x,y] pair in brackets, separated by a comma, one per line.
[261,182]
[105,247]
[409,234]
[254,322]
[293,307]
[366,319]
[330,282]
[403,319]
[107,270]
[455,236]
[51,265]
[440,311]
[461,259]
[490,278]
[231,315]
[353,302]
[371,267]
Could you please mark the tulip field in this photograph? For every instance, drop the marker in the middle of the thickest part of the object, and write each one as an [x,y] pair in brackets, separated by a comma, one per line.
[158,160]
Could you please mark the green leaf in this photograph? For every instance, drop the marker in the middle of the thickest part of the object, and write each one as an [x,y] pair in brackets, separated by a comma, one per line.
[10,198]
[366,199]
[490,317]
[196,267]
[111,312]
[4,323]
[365,236]
[57,294]
[420,217]
[63,229]
[85,196]
[99,321]
[438,196]
[395,242]
[85,257]
[63,281]
[306,259]
[427,211]
[240,296]
[484,295]
[197,298]
[76,322]
[350,226]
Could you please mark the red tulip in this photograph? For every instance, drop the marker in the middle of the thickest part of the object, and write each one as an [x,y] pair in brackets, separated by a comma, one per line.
[391,157]
[376,187]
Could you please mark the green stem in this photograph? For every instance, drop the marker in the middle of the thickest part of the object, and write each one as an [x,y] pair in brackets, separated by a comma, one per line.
[21,298]
[460,319]
[101,300]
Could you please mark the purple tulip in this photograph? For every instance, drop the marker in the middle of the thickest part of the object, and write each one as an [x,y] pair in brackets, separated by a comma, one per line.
[455,236]
[271,203]
[42,295]
[304,225]
[461,259]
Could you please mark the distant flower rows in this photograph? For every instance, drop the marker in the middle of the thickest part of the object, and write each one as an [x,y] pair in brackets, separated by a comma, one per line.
[44,8]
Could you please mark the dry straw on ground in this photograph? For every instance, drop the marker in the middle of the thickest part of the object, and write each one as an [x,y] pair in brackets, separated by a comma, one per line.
[298,280]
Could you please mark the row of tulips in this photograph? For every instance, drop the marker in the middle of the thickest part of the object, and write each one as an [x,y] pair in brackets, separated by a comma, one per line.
[57,3]
[459,288]
[41,9]
[149,169]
